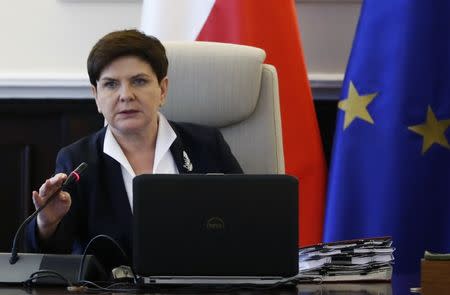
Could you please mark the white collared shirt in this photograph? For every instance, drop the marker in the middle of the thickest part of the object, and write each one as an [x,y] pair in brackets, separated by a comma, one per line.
[163,162]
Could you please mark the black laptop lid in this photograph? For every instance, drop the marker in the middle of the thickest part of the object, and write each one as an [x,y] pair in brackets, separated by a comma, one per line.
[215,225]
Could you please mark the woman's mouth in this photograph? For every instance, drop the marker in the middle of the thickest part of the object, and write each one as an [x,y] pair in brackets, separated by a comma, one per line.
[127,112]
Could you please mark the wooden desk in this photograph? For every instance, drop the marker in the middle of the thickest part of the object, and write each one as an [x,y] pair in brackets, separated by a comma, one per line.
[301,289]
[401,284]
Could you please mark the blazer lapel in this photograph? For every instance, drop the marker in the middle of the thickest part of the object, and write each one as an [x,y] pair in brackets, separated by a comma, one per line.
[112,181]
[117,192]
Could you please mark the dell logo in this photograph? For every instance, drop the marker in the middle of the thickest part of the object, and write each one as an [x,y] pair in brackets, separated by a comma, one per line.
[215,223]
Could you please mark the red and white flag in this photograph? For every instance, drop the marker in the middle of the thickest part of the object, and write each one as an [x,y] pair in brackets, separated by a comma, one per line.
[271,25]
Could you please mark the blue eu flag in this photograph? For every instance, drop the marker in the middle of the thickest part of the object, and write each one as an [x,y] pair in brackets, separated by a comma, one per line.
[390,170]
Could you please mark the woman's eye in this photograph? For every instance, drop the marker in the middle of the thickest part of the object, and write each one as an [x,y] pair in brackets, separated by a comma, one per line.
[110,84]
[139,81]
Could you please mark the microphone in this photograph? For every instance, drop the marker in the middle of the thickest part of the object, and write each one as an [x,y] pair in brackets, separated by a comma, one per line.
[67,266]
[73,177]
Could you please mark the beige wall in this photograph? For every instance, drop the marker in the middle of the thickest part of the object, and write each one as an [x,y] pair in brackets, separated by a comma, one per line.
[327,28]
[54,36]
[46,42]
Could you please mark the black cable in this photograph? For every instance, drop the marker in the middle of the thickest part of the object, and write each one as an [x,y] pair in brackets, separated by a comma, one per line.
[43,273]
[109,288]
[116,244]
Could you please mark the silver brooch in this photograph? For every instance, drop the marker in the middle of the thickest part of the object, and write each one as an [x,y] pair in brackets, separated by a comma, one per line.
[187,162]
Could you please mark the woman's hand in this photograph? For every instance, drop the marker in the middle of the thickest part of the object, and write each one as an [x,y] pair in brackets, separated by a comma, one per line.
[49,218]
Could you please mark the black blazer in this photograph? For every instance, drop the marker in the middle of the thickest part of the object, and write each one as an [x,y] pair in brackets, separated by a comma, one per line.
[99,201]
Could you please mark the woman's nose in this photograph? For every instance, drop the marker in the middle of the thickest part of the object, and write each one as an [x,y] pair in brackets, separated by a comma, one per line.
[126,93]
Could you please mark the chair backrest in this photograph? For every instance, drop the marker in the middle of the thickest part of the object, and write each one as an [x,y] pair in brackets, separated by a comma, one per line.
[229,87]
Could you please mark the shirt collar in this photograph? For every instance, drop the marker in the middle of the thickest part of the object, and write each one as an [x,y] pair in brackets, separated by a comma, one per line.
[164,139]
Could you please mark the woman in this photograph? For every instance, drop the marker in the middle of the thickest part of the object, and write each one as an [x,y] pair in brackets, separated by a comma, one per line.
[128,73]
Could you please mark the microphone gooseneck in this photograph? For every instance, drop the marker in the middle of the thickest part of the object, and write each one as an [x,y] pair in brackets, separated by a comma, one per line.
[73,177]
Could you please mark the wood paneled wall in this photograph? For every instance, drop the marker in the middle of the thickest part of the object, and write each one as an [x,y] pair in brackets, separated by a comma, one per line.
[33,130]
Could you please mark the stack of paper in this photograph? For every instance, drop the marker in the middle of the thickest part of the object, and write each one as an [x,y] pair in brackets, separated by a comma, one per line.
[353,260]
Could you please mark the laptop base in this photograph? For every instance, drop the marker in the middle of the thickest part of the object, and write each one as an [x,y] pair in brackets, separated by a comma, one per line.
[211,280]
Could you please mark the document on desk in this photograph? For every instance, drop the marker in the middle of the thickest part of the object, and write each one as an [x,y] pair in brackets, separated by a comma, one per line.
[352,260]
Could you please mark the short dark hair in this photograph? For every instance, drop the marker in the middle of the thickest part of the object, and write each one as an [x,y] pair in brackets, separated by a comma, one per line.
[127,43]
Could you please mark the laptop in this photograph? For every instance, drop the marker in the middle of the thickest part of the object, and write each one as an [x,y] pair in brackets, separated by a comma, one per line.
[213,229]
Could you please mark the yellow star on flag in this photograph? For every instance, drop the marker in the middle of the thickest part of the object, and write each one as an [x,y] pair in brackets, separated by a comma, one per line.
[433,131]
[355,106]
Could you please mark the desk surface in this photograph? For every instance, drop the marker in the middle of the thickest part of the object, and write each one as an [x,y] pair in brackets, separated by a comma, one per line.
[400,285]
[303,289]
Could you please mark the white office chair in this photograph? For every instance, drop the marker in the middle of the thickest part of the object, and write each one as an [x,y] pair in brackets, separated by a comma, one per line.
[228,86]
